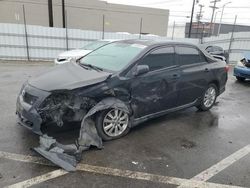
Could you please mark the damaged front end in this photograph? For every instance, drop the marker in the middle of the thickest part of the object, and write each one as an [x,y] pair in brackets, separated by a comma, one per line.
[65,107]
[67,156]
[36,107]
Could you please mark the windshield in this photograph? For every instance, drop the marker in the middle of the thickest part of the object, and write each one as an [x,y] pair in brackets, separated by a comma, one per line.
[94,45]
[114,56]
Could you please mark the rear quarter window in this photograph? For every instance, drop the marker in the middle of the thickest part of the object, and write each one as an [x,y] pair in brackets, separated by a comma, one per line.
[189,55]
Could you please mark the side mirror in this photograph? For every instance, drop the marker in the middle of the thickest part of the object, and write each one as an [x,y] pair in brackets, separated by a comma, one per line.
[141,69]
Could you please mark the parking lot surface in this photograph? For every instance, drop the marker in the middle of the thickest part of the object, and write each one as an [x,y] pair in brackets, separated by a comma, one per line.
[186,148]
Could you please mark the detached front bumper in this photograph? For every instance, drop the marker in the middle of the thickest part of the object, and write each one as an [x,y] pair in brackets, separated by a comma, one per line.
[242,72]
[26,110]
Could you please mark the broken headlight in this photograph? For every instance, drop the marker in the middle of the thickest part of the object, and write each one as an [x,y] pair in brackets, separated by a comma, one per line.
[26,95]
[28,98]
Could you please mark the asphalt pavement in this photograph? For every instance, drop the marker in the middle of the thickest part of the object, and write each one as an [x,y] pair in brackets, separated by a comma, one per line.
[170,151]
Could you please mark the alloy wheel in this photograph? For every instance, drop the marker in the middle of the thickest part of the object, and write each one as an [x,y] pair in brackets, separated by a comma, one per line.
[209,97]
[115,122]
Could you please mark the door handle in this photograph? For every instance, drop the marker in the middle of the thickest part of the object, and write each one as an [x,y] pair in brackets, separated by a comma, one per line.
[175,76]
[207,70]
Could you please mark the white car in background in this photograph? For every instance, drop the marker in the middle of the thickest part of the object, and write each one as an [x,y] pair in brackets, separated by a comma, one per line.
[75,54]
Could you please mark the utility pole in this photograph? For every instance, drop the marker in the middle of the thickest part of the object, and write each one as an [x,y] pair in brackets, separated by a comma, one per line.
[50,10]
[191,20]
[63,14]
[199,16]
[212,18]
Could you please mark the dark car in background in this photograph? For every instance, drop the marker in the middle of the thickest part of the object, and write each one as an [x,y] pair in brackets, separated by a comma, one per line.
[146,78]
[217,52]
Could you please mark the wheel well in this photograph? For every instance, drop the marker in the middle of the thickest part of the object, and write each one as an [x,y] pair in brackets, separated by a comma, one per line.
[215,82]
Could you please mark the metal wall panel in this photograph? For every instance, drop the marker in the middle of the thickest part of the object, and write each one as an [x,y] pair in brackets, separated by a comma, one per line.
[45,43]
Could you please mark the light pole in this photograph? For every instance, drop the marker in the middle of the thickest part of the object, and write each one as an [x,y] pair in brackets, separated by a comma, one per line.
[222,15]
[215,21]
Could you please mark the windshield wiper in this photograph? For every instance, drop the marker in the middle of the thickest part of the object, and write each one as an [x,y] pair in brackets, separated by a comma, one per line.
[91,66]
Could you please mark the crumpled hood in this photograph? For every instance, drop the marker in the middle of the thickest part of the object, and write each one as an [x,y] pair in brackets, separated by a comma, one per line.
[67,77]
[74,53]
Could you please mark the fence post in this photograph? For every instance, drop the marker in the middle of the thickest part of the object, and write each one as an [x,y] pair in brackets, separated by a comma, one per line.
[26,34]
[173,31]
[202,33]
[103,25]
[66,31]
[140,29]
[232,37]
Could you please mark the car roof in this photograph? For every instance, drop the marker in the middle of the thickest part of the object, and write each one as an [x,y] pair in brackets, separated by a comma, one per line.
[152,43]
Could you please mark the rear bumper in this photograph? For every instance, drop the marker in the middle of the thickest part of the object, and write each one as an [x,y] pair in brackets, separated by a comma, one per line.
[243,72]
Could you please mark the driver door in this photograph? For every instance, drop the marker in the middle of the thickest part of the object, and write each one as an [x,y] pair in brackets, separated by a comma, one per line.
[156,90]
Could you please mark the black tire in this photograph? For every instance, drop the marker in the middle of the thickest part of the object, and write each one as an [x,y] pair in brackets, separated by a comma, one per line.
[100,128]
[202,106]
[241,79]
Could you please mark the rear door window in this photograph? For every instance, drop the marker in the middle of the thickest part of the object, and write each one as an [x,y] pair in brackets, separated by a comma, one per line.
[160,58]
[189,55]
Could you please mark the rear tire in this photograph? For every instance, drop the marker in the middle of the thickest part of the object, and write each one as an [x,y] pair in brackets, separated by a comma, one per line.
[208,98]
[241,79]
[112,124]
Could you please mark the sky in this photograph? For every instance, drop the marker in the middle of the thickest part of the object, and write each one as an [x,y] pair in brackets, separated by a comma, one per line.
[181,9]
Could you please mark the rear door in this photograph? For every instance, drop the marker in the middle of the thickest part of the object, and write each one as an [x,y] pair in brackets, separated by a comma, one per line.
[156,91]
[195,74]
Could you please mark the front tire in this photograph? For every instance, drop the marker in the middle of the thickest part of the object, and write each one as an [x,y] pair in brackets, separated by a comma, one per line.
[112,124]
[208,98]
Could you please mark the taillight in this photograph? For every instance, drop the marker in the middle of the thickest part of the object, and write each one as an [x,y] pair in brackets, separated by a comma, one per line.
[226,68]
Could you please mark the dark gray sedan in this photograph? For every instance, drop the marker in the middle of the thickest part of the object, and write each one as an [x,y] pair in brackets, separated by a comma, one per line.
[121,85]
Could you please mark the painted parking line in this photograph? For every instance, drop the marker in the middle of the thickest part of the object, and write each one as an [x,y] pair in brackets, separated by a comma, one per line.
[150,177]
[223,164]
[220,166]
[106,171]
[39,179]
